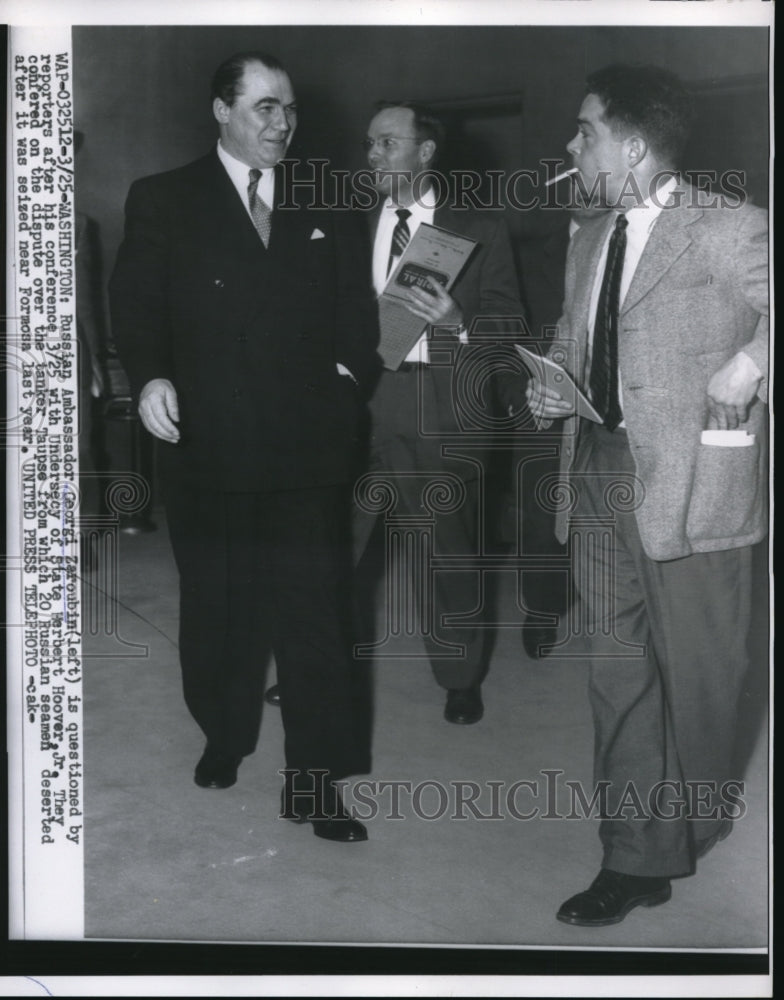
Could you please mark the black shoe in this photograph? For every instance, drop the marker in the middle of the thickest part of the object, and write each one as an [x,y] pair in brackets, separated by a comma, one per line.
[464,706]
[537,639]
[701,847]
[216,770]
[272,695]
[328,815]
[611,896]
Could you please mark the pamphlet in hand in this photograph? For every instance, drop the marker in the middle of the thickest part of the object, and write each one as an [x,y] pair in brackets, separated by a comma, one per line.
[559,380]
[432,253]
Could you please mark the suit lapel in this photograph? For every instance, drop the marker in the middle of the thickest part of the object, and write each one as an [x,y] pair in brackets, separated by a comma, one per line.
[226,221]
[373,220]
[291,227]
[587,251]
[668,240]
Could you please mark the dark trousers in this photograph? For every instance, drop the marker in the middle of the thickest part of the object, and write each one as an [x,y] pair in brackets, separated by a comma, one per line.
[668,660]
[261,570]
[528,522]
[437,496]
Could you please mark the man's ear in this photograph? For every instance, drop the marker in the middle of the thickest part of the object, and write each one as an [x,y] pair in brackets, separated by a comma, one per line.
[427,150]
[221,110]
[636,149]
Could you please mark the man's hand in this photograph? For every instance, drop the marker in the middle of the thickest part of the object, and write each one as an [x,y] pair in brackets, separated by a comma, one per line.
[437,308]
[158,410]
[546,404]
[730,392]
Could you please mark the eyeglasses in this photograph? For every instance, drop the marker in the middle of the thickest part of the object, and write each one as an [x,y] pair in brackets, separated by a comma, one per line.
[388,142]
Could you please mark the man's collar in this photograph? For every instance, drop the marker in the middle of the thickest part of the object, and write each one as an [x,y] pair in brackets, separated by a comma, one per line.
[427,200]
[654,203]
[235,167]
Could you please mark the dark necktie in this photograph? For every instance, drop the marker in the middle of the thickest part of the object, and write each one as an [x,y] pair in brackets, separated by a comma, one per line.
[400,236]
[260,211]
[604,361]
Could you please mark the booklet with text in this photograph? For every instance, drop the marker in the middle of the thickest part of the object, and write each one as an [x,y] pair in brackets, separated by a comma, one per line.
[432,254]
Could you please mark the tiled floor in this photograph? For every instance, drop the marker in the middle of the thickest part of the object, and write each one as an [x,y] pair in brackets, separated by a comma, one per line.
[168,861]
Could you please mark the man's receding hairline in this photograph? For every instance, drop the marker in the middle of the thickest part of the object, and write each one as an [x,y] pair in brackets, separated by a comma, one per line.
[257,62]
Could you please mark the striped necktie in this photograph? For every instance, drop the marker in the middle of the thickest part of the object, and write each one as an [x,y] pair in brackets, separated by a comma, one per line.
[260,211]
[604,360]
[400,236]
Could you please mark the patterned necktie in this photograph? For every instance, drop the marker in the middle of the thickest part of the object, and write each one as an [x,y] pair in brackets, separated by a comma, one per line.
[260,211]
[400,236]
[604,361]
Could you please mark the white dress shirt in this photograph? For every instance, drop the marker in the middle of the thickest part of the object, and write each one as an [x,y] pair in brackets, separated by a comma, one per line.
[641,219]
[239,175]
[421,211]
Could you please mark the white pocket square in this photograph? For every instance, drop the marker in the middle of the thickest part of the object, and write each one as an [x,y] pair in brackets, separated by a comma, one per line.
[317,235]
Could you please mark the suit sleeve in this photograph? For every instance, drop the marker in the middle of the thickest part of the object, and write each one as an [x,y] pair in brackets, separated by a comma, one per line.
[499,298]
[752,248]
[138,291]
[356,318]
[88,302]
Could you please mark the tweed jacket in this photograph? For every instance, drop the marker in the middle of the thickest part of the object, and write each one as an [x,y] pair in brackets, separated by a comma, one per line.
[699,295]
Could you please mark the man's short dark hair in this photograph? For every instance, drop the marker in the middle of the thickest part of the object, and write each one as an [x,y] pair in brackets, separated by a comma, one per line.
[427,124]
[228,76]
[645,99]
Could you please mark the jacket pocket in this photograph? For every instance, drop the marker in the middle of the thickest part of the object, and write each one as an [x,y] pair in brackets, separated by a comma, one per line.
[726,492]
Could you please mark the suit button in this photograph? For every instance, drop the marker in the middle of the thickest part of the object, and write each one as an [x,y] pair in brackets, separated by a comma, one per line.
[242,339]
[236,393]
[311,386]
[218,282]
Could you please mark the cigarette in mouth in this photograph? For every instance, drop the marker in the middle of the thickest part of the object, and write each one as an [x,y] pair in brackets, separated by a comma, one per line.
[560,177]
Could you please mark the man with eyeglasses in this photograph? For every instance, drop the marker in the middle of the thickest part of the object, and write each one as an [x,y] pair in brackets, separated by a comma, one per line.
[419,413]
[244,329]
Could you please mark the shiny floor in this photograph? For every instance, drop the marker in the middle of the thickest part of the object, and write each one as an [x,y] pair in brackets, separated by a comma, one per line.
[168,861]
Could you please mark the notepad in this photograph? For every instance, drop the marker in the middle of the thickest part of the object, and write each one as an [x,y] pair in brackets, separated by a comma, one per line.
[559,380]
[728,439]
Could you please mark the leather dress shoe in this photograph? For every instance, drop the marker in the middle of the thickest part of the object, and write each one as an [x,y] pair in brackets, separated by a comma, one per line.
[611,896]
[537,639]
[216,769]
[464,706]
[701,847]
[272,695]
[329,817]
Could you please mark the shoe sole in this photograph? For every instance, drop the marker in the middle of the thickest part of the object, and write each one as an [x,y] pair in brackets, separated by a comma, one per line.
[462,720]
[655,899]
[319,832]
[213,784]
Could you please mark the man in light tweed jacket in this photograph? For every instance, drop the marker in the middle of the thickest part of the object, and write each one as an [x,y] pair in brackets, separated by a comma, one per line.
[665,329]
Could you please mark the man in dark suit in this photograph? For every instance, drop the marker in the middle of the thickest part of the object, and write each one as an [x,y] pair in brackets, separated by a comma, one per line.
[245,329]
[665,327]
[423,429]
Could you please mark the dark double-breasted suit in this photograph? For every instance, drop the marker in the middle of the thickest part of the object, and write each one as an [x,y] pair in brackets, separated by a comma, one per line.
[250,337]
[434,425]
